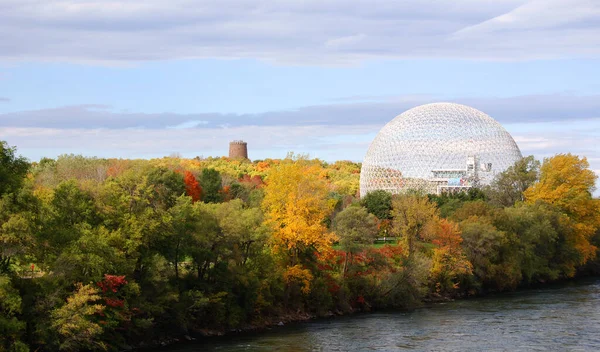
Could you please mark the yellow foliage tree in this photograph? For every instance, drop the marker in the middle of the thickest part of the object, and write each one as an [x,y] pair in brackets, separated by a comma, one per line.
[567,183]
[295,206]
[74,320]
[297,275]
[414,217]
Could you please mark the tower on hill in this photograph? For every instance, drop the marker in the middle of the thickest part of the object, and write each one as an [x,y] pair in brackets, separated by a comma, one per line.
[238,150]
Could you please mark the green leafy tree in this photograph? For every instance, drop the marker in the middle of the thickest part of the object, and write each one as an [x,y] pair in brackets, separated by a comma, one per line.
[378,203]
[168,186]
[493,253]
[242,227]
[68,212]
[72,205]
[240,264]
[508,187]
[11,328]
[12,169]
[90,256]
[19,222]
[16,237]
[356,228]
[206,244]
[183,225]
[211,183]
[137,225]
[448,203]
[473,208]
[543,240]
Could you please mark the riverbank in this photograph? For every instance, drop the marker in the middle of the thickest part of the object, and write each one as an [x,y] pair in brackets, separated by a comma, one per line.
[521,320]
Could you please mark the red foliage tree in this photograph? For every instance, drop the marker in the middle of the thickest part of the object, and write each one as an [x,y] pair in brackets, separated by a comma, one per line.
[192,187]
[255,181]
[111,283]
[118,314]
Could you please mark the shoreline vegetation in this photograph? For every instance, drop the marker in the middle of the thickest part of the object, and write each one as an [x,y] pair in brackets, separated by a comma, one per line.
[114,254]
[207,335]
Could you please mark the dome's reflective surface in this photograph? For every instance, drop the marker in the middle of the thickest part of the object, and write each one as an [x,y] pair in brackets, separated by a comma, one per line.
[437,147]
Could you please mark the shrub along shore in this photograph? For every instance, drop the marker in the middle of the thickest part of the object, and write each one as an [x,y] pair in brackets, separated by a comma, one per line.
[103,254]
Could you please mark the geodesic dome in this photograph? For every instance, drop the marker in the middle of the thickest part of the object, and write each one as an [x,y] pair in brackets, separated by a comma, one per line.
[437,147]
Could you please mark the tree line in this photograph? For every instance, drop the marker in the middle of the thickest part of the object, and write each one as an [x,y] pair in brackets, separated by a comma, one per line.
[101,254]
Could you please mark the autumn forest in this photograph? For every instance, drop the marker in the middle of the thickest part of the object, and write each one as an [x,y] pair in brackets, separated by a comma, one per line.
[110,254]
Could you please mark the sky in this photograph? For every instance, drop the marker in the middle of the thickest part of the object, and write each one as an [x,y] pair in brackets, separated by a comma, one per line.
[152,78]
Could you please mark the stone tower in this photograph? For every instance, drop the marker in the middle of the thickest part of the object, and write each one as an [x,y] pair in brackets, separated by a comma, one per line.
[238,150]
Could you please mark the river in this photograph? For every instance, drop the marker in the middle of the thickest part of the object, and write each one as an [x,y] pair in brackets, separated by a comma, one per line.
[554,318]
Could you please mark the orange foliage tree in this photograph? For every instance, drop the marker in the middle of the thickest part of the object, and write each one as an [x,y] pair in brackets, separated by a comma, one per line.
[449,263]
[192,187]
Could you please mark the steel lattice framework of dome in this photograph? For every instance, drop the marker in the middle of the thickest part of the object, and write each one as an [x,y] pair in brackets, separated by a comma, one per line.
[439,147]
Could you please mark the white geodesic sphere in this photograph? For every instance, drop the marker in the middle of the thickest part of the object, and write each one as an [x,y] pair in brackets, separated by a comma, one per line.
[427,141]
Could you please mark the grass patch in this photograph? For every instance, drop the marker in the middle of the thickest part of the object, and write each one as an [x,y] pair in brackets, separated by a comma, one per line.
[376,244]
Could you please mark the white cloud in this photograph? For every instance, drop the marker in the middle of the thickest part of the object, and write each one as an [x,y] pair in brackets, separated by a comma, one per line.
[538,15]
[188,124]
[348,142]
[305,32]
[352,111]
[346,42]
